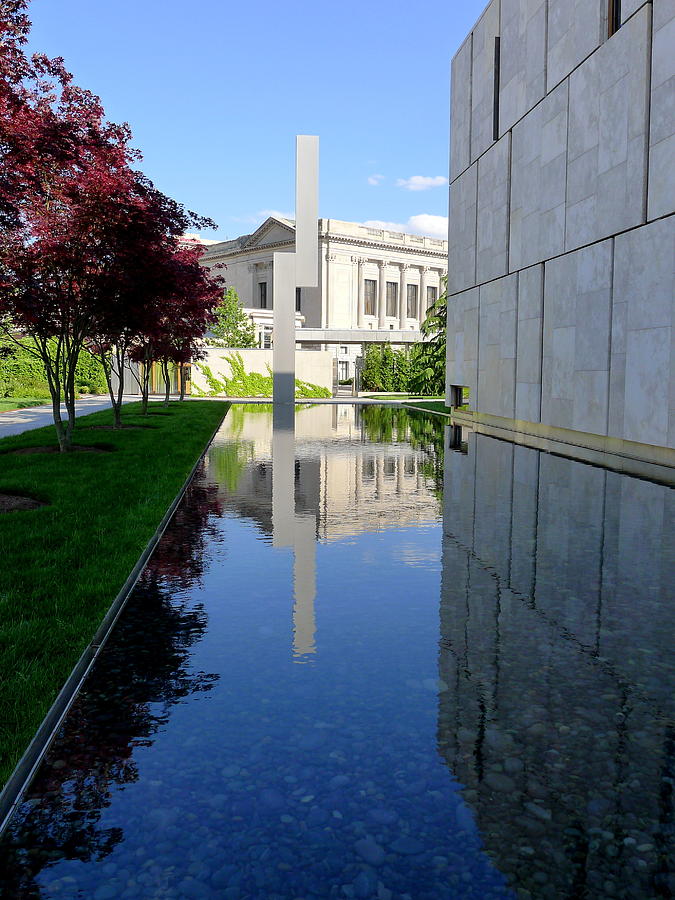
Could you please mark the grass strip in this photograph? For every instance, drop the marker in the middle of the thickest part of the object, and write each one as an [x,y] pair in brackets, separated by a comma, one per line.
[11,403]
[61,566]
[435,406]
[397,397]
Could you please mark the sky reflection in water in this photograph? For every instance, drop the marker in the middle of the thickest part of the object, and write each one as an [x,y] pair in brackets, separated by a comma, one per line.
[284,710]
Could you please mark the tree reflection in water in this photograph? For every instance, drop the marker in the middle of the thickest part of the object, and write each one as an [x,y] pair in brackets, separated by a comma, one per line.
[141,674]
[422,430]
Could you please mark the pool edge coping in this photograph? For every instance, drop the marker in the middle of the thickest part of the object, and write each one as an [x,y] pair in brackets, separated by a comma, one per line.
[18,781]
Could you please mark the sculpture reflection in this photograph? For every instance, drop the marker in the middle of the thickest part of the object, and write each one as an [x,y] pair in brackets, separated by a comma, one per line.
[293,530]
[326,473]
[556,643]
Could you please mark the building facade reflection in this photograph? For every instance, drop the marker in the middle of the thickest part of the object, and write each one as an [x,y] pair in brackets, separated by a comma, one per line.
[557,618]
[323,474]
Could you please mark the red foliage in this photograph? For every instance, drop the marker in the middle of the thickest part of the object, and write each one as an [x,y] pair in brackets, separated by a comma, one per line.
[88,246]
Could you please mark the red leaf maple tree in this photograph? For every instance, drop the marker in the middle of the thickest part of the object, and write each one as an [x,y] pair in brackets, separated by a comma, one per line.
[89,252]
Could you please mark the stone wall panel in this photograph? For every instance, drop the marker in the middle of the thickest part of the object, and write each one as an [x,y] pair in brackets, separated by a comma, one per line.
[497,346]
[539,155]
[606,161]
[662,112]
[493,211]
[523,59]
[482,79]
[462,232]
[462,347]
[574,32]
[642,346]
[528,362]
[460,110]
[577,316]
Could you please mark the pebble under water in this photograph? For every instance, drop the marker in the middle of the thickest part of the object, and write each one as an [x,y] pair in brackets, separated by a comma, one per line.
[375,658]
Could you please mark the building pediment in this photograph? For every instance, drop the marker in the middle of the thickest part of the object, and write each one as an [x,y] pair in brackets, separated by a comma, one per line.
[272,231]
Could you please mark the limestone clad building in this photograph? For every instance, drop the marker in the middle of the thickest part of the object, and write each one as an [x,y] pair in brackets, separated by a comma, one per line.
[561,238]
[374,284]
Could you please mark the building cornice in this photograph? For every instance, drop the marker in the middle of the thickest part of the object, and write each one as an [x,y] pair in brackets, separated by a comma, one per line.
[247,251]
[380,245]
[327,238]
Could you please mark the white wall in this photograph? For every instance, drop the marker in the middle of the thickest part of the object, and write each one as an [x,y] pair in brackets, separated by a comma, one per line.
[315,366]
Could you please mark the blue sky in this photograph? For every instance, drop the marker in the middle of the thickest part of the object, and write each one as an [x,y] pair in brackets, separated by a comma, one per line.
[216,92]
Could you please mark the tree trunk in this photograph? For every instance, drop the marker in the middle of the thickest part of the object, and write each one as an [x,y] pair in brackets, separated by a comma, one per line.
[69,397]
[117,402]
[145,390]
[181,376]
[58,422]
[167,381]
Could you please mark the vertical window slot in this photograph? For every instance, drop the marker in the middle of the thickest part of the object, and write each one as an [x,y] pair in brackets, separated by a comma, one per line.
[613,17]
[495,102]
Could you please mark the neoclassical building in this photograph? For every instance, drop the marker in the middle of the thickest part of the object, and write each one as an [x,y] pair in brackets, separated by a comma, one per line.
[374,284]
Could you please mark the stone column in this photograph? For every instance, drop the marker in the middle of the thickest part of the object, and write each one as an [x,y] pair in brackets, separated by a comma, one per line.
[361,308]
[422,299]
[253,268]
[330,257]
[379,477]
[440,283]
[402,297]
[382,296]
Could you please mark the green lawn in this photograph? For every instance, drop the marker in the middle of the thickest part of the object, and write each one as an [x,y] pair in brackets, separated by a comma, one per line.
[405,397]
[437,406]
[8,403]
[63,564]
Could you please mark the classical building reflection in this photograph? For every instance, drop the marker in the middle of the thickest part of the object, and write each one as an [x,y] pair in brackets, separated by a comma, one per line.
[324,474]
[557,619]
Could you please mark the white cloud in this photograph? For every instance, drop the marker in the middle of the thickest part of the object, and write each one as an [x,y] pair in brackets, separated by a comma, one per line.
[434,226]
[421,182]
[424,223]
[375,179]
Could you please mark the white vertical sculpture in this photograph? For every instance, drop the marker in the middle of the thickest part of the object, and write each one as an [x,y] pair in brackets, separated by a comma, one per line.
[299,269]
[293,270]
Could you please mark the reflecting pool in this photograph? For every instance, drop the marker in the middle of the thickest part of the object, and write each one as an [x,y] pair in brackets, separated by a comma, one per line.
[373,657]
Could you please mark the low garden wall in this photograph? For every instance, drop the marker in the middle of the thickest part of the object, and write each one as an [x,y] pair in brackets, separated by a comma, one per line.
[312,366]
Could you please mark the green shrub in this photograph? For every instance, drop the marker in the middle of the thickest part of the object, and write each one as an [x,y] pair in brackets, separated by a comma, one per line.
[23,375]
[386,370]
[253,384]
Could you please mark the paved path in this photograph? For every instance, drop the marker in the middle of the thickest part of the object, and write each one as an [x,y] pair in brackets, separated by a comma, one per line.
[18,420]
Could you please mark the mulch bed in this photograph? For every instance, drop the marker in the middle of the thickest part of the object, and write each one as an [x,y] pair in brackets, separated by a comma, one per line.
[14,502]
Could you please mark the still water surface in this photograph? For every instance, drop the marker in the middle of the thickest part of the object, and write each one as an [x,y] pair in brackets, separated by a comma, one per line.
[362,663]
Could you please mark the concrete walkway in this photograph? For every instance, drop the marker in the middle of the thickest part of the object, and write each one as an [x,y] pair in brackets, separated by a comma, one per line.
[18,420]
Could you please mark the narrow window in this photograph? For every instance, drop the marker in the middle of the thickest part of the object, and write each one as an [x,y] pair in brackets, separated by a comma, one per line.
[495,102]
[370,297]
[432,295]
[411,301]
[262,288]
[344,350]
[298,292]
[392,298]
[267,339]
[613,17]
